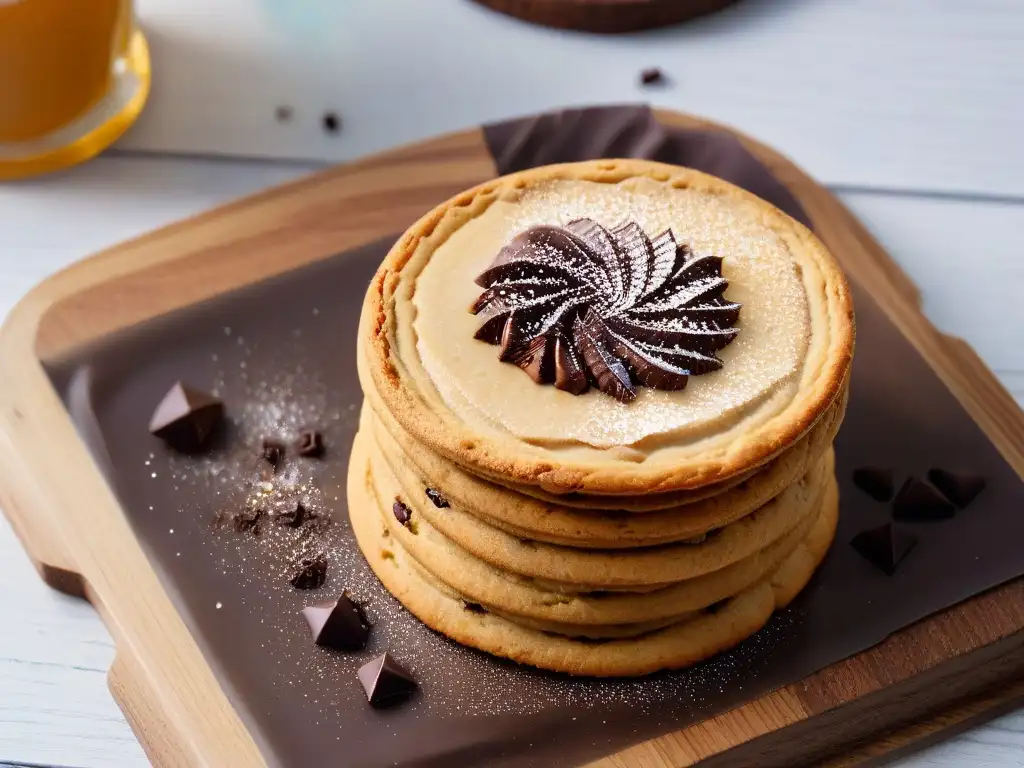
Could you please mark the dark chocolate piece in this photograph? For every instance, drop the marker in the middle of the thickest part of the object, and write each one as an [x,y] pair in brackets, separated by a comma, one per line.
[186,418]
[248,521]
[536,362]
[919,500]
[876,482]
[439,501]
[273,452]
[608,373]
[652,76]
[959,488]
[569,374]
[632,309]
[310,573]
[310,444]
[339,624]
[402,513]
[884,546]
[473,607]
[331,122]
[294,517]
[385,681]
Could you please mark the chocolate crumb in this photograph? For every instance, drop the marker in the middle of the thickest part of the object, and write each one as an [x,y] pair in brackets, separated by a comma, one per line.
[283,113]
[331,122]
[273,452]
[310,573]
[652,76]
[385,681]
[473,607]
[310,444]
[248,521]
[439,501]
[294,517]
[402,513]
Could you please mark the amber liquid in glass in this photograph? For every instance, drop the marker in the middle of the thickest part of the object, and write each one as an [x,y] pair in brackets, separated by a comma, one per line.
[56,60]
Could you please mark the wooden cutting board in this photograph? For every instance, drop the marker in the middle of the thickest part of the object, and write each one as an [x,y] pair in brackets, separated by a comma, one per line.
[926,681]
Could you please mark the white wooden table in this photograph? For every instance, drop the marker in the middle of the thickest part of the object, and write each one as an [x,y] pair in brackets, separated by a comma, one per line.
[913,111]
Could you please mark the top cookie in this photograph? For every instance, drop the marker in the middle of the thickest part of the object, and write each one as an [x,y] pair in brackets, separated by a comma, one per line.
[682,387]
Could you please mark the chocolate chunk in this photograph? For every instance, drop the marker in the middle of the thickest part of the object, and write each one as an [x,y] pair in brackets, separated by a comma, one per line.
[959,488]
[385,681]
[473,607]
[310,444]
[885,546]
[339,624]
[608,371]
[876,482]
[439,501]
[569,374]
[919,500]
[310,573]
[186,418]
[331,122]
[535,360]
[402,513]
[493,330]
[652,76]
[248,521]
[273,452]
[294,517]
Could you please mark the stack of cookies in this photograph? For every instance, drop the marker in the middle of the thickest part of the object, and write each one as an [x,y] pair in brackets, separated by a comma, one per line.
[600,405]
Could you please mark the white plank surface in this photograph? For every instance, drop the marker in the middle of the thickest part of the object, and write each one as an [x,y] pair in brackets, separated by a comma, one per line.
[54,704]
[901,94]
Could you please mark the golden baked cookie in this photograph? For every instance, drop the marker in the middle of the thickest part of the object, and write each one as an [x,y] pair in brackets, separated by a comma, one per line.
[665,278]
[696,637]
[442,561]
[418,469]
[583,569]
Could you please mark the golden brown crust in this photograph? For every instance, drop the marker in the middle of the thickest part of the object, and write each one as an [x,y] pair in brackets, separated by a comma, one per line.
[584,521]
[676,646]
[600,569]
[419,413]
[474,579]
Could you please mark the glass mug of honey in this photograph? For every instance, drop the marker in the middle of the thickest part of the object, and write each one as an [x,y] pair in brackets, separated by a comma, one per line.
[74,74]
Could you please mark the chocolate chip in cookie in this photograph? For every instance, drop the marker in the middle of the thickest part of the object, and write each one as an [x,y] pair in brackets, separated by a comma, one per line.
[439,501]
[402,513]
